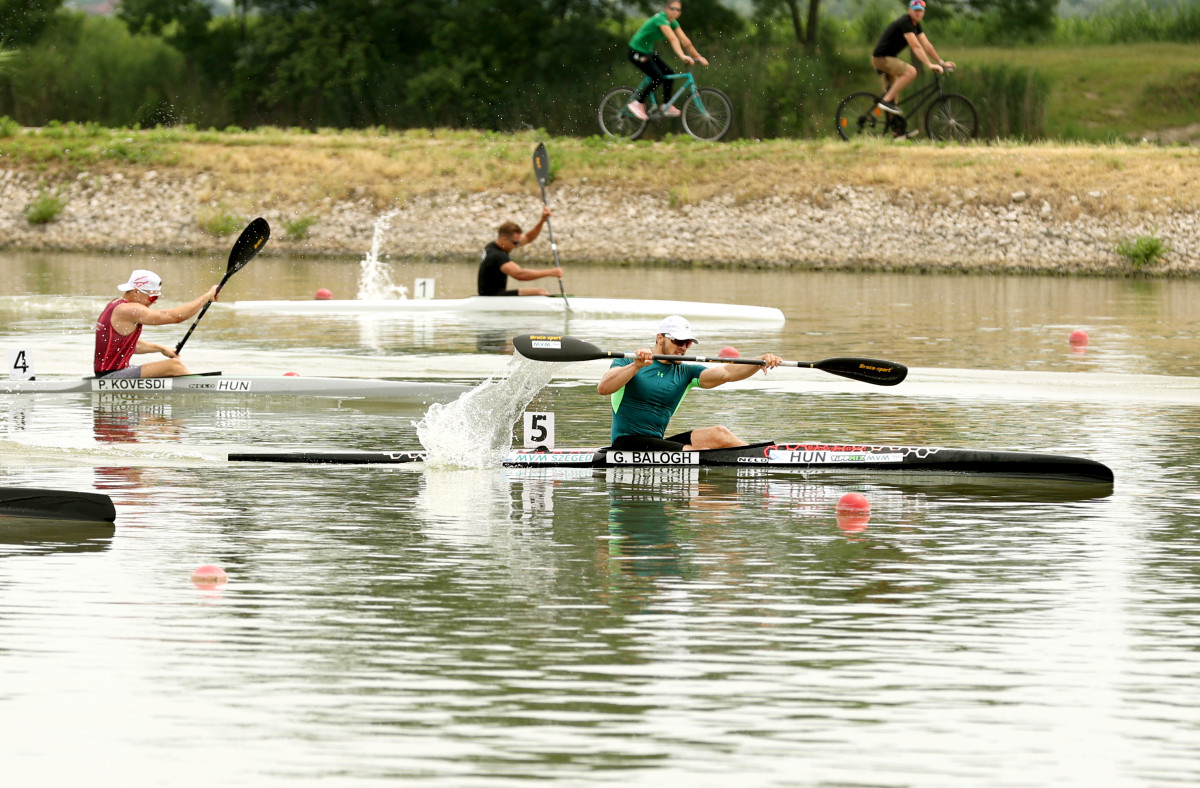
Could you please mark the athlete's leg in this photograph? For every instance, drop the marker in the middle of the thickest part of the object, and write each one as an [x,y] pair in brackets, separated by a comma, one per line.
[167,368]
[718,437]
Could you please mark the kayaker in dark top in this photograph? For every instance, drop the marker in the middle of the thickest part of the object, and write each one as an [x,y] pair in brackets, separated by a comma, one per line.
[495,266]
[897,75]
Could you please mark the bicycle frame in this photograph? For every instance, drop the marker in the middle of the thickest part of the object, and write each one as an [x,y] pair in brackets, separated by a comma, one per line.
[689,85]
[923,94]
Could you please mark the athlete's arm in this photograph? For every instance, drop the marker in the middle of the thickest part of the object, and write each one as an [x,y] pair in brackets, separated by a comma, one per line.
[917,45]
[153,347]
[127,316]
[536,230]
[728,373]
[615,379]
[527,274]
[933,52]
[673,40]
[687,44]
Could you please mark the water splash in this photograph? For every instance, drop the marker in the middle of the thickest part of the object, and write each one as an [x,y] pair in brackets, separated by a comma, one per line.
[375,280]
[475,431]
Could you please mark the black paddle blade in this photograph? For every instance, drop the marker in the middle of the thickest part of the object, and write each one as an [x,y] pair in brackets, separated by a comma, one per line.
[555,347]
[57,504]
[248,244]
[868,370]
[541,164]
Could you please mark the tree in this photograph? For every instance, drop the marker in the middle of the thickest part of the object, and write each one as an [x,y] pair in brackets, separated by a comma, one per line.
[792,8]
[22,22]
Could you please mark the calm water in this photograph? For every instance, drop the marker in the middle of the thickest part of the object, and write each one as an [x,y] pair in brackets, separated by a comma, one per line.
[498,627]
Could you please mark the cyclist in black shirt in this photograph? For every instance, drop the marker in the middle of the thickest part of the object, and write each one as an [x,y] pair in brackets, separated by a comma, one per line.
[495,266]
[897,75]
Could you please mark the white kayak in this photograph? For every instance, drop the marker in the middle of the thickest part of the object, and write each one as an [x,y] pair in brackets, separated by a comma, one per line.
[531,305]
[240,385]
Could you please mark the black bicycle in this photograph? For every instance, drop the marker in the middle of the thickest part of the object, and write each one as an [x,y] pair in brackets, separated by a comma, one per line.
[951,116]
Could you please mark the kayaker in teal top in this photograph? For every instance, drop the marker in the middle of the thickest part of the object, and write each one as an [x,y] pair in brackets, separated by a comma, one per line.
[646,393]
[663,26]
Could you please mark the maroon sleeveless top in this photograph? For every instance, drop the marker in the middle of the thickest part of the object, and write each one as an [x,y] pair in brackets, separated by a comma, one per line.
[113,351]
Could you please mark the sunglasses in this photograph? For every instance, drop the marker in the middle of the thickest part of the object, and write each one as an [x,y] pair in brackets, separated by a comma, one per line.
[683,343]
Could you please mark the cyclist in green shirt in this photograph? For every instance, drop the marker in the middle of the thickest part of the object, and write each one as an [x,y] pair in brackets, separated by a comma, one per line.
[663,26]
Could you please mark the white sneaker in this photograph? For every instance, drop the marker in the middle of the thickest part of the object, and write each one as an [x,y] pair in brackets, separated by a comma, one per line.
[637,109]
[672,112]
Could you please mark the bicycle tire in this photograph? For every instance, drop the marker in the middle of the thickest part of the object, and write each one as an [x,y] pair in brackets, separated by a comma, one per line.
[952,118]
[615,120]
[707,114]
[858,116]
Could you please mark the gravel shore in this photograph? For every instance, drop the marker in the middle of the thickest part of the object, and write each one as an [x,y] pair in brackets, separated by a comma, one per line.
[838,228]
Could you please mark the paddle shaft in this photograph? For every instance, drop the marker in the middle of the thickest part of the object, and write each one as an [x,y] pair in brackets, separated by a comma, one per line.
[549,347]
[541,165]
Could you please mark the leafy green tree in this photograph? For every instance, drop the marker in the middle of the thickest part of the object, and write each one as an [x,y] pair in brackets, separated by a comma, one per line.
[22,22]
[792,8]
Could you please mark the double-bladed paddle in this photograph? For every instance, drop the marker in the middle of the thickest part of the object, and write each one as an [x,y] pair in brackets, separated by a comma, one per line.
[541,168]
[245,247]
[546,347]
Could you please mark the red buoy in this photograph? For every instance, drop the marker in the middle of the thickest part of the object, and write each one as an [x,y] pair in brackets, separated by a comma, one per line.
[729,351]
[324,294]
[1079,337]
[209,576]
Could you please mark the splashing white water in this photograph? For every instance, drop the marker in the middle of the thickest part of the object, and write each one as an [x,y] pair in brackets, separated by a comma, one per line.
[375,280]
[475,431]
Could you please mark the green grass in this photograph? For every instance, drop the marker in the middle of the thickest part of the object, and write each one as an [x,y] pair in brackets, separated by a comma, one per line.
[1142,251]
[44,209]
[1105,93]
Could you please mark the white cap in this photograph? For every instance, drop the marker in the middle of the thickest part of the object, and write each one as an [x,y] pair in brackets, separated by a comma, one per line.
[143,280]
[677,328]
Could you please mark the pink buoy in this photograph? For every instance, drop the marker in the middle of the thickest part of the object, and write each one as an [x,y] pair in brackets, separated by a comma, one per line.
[729,351]
[1079,337]
[324,294]
[209,576]
[291,374]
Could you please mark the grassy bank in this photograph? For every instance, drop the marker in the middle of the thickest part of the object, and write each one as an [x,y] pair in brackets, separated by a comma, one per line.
[269,167]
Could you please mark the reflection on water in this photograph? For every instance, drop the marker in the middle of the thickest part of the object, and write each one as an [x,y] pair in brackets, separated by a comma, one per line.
[689,627]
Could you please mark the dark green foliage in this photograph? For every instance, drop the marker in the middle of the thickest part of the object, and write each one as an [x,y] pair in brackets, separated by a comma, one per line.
[22,22]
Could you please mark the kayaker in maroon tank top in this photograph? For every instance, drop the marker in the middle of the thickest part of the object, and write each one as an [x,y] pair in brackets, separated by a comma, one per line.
[119,329]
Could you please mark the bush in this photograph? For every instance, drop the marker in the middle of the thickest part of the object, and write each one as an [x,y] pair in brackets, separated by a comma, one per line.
[44,209]
[297,230]
[1142,251]
[219,222]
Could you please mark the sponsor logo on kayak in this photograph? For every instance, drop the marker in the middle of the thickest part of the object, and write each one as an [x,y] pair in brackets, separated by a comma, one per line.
[550,457]
[131,384]
[235,385]
[752,459]
[625,457]
[802,457]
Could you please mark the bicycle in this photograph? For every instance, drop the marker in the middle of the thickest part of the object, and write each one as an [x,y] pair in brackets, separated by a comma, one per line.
[951,116]
[707,114]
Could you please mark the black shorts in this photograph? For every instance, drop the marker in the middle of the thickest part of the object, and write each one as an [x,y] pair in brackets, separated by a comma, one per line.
[650,443]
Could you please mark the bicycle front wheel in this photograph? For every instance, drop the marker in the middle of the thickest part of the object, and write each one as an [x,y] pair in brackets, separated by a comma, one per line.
[708,114]
[858,116]
[615,118]
[952,118]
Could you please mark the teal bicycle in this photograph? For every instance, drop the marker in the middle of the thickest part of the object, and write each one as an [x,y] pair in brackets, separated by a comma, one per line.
[707,113]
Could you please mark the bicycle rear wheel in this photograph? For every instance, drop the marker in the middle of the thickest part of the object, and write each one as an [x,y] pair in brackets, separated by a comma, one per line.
[615,119]
[708,114]
[857,116]
[952,118]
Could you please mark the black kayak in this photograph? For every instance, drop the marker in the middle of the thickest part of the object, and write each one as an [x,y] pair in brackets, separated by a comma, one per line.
[809,457]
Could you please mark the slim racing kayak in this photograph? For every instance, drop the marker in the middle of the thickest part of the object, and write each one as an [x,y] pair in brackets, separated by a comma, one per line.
[805,456]
[242,384]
